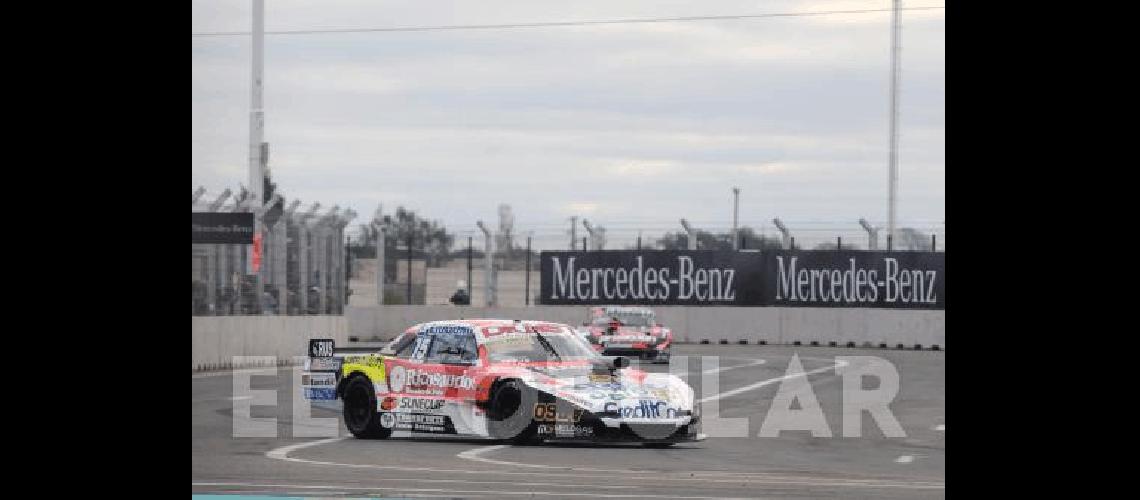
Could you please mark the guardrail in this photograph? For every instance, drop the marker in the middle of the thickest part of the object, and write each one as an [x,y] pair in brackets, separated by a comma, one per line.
[217,339]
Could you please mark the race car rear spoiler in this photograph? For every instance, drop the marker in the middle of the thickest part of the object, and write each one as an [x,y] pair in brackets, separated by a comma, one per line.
[324,355]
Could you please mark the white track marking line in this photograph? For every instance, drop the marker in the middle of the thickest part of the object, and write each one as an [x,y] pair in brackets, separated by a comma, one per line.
[762,383]
[940,427]
[440,490]
[282,453]
[905,459]
[473,454]
[615,474]
[726,368]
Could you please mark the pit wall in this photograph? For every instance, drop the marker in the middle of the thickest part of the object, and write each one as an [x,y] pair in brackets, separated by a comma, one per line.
[752,325]
[217,339]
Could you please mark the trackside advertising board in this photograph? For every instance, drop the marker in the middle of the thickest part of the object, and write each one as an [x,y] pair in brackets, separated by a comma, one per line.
[807,278]
[223,228]
[664,277]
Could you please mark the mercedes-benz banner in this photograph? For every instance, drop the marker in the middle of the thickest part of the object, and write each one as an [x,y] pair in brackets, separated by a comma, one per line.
[810,278]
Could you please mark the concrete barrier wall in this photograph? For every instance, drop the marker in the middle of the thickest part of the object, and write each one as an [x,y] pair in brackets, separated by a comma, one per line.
[774,325]
[217,339]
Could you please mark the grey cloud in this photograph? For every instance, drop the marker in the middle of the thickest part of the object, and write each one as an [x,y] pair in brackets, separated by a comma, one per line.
[452,123]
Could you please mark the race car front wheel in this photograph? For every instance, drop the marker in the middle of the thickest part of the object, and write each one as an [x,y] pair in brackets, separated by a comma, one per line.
[360,415]
[510,413]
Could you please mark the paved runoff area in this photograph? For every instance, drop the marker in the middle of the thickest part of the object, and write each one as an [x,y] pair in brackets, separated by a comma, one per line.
[793,464]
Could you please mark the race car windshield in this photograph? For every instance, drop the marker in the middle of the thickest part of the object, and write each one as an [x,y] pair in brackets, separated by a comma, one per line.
[529,347]
[626,319]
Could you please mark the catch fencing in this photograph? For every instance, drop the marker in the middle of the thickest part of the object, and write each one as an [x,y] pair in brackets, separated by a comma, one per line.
[296,264]
[514,277]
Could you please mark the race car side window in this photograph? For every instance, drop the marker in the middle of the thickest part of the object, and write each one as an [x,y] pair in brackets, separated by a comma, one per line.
[400,344]
[453,348]
[408,346]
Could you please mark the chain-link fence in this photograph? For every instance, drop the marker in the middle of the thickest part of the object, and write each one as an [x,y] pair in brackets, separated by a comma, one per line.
[296,266]
[457,275]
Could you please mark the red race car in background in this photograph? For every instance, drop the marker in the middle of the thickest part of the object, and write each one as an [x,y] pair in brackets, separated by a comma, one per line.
[628,331]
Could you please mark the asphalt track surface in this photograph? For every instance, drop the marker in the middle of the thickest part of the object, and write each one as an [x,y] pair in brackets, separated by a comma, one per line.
[793,465]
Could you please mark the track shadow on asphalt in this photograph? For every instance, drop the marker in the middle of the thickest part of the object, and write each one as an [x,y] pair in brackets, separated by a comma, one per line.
[547,444]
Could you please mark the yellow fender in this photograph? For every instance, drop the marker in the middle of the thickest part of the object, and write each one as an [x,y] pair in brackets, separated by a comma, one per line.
[370,365]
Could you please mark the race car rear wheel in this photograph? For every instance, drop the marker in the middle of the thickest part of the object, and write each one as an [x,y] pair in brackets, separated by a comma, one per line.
[510,413]
[360,415]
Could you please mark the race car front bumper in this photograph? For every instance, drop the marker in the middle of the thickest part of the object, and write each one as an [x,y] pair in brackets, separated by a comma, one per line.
[616,429]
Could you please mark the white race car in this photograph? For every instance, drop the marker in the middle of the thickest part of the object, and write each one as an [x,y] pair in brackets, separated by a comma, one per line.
[524,381]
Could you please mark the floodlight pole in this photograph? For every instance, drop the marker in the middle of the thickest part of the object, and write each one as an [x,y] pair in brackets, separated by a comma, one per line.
[892,201]
[257,137]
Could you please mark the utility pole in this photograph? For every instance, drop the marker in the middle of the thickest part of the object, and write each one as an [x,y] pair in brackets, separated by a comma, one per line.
[257,137]
[892,200]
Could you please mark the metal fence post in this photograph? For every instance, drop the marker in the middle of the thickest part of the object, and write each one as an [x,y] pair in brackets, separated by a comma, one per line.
[469,250]
[932,242]
[527,292]
[303,266]
[411,238]
[381,263]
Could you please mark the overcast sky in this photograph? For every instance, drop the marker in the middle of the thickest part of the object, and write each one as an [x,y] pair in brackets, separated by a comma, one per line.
[632,126]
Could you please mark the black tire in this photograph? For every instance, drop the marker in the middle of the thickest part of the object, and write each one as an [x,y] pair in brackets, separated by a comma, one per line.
[657,445]
[360,415]
[510,413]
